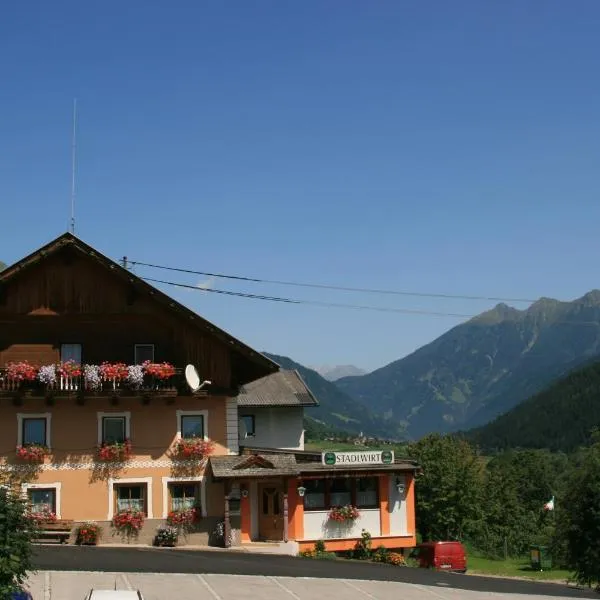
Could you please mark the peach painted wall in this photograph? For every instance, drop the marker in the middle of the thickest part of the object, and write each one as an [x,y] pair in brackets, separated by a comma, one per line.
[74,437]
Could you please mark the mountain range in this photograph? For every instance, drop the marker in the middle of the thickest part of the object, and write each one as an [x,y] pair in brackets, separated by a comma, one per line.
[337,372]
[473,373]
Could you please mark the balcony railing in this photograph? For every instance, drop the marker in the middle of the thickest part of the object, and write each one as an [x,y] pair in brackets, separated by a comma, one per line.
[106,379]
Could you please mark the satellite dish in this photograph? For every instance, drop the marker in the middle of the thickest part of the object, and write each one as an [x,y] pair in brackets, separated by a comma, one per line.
[192,378]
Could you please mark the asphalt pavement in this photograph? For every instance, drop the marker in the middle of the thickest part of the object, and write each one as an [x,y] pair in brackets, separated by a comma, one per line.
[223,562]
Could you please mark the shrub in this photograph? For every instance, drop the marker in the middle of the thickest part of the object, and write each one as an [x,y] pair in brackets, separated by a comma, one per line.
[380,555]
[362,550]
[395,558]
[166,537]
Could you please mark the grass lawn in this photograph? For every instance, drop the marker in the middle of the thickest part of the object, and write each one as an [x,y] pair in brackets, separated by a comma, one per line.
[518,567]
[321,445]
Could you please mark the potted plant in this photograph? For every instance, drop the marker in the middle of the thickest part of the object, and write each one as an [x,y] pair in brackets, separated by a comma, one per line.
[342,514]
[32,452]
[116,451]
[166,537]
[113,373]
[128,522]
[88,534]
[193,448]
[43,516]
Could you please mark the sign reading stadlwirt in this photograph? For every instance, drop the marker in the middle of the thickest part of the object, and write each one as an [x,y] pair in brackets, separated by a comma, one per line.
[375,457]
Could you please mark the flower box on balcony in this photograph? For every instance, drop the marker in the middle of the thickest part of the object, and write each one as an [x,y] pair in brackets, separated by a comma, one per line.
[194,448]
[116,452]
[32,452]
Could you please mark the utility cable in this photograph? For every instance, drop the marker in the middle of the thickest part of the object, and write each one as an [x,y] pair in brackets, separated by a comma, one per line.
[332,287]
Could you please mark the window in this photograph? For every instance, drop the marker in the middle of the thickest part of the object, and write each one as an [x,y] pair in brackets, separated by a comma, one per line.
[248,425]
[71,352]
[42,499]
[184,495]
[34,432]
[340,492]
[367,492]
[323,494]
[192,426]
[143,352]
[130,497]
[113,430]
[314,496]
[33,429]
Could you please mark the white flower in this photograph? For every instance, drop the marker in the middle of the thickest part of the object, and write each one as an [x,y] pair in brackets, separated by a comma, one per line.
[47,374]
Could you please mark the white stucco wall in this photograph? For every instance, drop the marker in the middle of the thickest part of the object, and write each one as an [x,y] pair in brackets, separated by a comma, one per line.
[317,525]
[275,428]
[397,508]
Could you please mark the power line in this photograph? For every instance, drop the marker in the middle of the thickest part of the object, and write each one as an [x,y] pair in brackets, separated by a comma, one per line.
[310,302]
[333,287]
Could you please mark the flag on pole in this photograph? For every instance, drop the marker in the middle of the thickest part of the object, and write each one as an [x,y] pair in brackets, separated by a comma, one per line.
[550,504]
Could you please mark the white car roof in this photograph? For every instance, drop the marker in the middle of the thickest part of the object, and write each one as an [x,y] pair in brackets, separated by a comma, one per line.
[114,595]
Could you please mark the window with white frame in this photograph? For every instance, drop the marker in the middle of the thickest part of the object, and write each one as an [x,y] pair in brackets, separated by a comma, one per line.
[130,497]
[143,352]
[33,429]
[184,495]
[42,499]
[192,424]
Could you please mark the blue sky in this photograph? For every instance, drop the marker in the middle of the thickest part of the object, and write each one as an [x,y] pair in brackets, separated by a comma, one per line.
[432,146]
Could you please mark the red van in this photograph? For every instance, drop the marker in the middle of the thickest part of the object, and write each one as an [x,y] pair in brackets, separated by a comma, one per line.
[441,556]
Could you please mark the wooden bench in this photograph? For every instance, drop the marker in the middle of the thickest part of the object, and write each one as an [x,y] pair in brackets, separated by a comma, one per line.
[59,530]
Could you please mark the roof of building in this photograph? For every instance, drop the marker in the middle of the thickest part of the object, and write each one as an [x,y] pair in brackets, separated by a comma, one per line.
[253,465]
[284,388]
[70,240]
[266,462]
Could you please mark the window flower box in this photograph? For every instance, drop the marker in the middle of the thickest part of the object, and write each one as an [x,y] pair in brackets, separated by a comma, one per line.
[117,452]
[128,522]
[194,448]
[183,518]
[88,534]
[161,371]
[343,514]
[43,517]
[21,371]
[32,452]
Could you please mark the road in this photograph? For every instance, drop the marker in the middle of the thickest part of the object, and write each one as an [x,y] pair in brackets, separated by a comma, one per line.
[220,562]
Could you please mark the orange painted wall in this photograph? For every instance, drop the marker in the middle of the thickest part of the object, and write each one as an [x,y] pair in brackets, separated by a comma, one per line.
[74,436]
[384,510]
[411,524]
[295,511]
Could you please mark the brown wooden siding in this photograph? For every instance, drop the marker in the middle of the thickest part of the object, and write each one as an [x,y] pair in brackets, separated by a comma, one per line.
[69,298]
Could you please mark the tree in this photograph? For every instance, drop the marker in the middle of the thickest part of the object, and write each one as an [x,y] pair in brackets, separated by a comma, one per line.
[580,518]
[448,493]
[17,531]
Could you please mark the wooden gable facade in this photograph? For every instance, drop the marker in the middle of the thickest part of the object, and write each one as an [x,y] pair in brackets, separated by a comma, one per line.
[69,293]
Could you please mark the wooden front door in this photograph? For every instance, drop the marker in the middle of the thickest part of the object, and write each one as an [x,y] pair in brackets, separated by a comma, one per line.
[270,516]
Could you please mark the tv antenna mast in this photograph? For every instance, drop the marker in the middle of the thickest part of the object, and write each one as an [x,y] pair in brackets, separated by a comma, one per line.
[73,153]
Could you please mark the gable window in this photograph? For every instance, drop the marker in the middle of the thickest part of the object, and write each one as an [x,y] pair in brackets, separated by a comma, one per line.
[192,426]
[33,429]
[248,425]
[71,352]
[113,427]
[130,497]
[143,352]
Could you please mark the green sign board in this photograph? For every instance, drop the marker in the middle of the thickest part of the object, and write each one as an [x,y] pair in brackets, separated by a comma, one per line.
[375,457]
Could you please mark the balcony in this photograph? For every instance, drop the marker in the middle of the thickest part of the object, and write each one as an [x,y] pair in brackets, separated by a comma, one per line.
[23,379]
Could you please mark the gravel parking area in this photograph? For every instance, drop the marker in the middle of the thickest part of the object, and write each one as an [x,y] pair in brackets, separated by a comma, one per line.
[67,585]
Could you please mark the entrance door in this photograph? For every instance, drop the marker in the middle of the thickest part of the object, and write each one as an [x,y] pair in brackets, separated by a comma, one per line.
[270,518]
